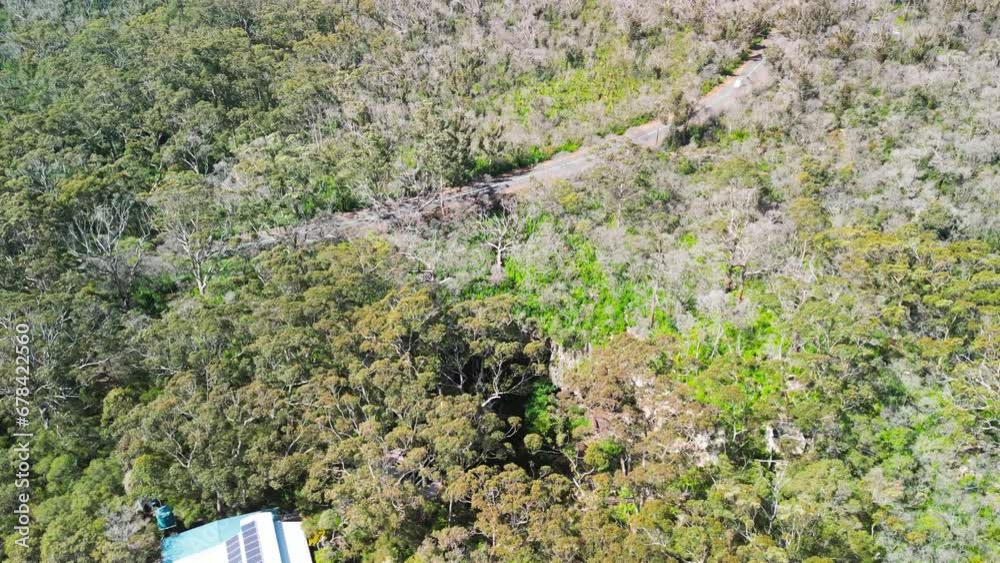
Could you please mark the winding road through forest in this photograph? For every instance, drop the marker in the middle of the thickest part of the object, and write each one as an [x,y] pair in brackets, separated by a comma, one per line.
[751,76]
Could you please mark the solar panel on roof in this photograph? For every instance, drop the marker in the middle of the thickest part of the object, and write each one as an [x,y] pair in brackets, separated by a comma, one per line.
[233,554]
[251,543]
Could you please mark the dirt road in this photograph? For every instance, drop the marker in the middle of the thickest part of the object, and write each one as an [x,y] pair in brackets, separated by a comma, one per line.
[751,76]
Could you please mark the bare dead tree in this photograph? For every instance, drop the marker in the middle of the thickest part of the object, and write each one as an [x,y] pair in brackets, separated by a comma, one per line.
[501,232]
[112,238]
[197,230]
[738,208]
[976,382]
[749,237]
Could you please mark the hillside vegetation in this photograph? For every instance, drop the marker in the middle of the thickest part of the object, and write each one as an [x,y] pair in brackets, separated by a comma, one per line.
[776,338]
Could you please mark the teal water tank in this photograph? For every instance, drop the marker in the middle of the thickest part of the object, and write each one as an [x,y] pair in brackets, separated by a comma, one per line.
[165,517]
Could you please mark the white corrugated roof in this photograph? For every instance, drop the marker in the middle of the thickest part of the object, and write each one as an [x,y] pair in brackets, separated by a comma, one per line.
[261,539]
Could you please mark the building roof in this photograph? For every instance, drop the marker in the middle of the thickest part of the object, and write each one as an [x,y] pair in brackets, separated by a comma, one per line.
[251,538]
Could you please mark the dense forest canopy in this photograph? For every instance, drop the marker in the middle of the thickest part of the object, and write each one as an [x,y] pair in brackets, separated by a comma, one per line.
[775,338]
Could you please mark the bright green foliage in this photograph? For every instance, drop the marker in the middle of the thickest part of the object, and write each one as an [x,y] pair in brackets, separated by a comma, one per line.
[775,339]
